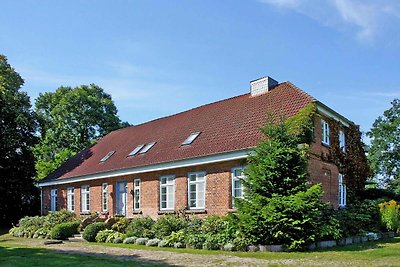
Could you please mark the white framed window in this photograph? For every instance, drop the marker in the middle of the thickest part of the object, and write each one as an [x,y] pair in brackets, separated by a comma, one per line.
[53,199]
[85,198]
[342,192]
[325,133]
[104,197]
[197,190]
[237,185]
[342,141]
[70,199]
[136,194]
[167,192]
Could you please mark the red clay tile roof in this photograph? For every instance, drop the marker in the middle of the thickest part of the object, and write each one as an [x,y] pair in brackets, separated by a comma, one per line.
[227,125]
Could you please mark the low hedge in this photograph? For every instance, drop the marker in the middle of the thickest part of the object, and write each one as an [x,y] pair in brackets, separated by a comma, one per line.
[90,232]
[64,230]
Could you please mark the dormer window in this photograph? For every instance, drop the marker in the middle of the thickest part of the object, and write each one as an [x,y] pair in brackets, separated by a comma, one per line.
[191,138]
[147,147]
[106,157]
[136,150]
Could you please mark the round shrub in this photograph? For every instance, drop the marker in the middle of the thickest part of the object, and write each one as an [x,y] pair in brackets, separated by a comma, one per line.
[179,245]
[90,232]
[121,224]
[140,227]
[168,224]
[130,240]
[117,240]
[141,241]
[196,240]
[153,242]
[102,235]
[64,230]
[163,243]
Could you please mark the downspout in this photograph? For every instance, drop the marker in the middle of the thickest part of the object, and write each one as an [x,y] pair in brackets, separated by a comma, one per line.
[41,201]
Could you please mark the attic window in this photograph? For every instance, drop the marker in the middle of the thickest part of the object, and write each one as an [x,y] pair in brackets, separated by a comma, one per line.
[147,147]
[136,150]
[106,157]
[191,138]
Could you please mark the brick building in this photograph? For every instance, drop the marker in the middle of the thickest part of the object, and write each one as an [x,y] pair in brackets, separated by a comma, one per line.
[189,161]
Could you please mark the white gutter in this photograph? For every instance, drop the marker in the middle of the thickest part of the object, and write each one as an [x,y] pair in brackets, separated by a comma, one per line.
[233,155]
[330,113]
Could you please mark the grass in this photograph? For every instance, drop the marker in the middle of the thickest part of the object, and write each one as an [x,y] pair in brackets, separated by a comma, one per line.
[13,252]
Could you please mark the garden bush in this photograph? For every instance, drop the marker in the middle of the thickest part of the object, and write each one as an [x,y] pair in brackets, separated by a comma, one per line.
[175,237]
[140,227]
[54,218]
[390,215]
[141,241]
[165,225]
[102,235]
[162,244]
[117,240]
[64,230]
[153,242]
[121,224]
[130,240]
[90,232]
[112,236]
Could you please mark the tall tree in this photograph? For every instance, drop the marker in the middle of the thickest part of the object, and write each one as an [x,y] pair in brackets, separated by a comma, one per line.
[384,152]
[71,119]
[18,194]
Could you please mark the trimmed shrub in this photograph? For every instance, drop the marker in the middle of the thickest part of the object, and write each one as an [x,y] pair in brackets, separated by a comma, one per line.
[141,241]
[130,240]
[162,244]
[117,240]
[102,235]
[140,227]
[121,224]
[179,245]
[153,242]
[165,225]
[64,230]
[90,232]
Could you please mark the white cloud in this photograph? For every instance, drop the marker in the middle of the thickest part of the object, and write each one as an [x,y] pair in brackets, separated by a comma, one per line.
[370,18]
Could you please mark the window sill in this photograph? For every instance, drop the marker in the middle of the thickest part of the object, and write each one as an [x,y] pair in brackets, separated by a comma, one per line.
[198,211]
[84,213]
[326,145]
[161,212]
[137,212]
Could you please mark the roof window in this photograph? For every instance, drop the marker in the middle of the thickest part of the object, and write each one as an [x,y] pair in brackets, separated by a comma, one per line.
[106,157]
[136,150]
[191,138]
[147,147]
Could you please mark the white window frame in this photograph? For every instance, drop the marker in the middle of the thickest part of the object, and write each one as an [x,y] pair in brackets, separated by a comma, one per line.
[197,182]
[53,199]
[342,140]
[235,178]
[169,186]
[325,133]
[342,192]
[85,198]
[70,199]
[104,196]
[136,194]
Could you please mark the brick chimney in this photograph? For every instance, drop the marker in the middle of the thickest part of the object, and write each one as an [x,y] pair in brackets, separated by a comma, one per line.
[262,85]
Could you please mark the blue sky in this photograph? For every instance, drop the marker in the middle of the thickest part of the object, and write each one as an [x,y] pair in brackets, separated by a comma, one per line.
[160,57]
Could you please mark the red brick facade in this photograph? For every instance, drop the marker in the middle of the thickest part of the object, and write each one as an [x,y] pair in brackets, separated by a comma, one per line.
[218,186]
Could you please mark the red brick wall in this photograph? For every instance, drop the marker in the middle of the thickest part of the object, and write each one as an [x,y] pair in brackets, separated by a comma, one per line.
[218,185]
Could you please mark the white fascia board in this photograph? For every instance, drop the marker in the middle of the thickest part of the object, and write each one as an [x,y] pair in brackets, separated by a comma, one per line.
[330,113]
[233,155]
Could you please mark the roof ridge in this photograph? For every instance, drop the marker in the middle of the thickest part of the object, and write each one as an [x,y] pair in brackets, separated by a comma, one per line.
[301,90]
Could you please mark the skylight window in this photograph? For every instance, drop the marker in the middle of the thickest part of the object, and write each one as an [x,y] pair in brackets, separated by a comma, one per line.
[136,150]
[147,147]
[106,157]
[191,138]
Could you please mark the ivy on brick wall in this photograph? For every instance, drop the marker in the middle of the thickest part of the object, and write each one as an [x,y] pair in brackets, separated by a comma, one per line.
[352,163]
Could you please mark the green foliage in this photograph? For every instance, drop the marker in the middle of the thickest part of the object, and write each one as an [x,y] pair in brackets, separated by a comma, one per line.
[141,241]
[121,225]
[57,217]
[129,240]
[175,237]
[302,124]
[390,215]
[384,153]
[140,227]
[165,225]
[90,232]
[70,120]
[18,194]
[359,218]
[153,242]
[64,230]
[102,235]
[114,235]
